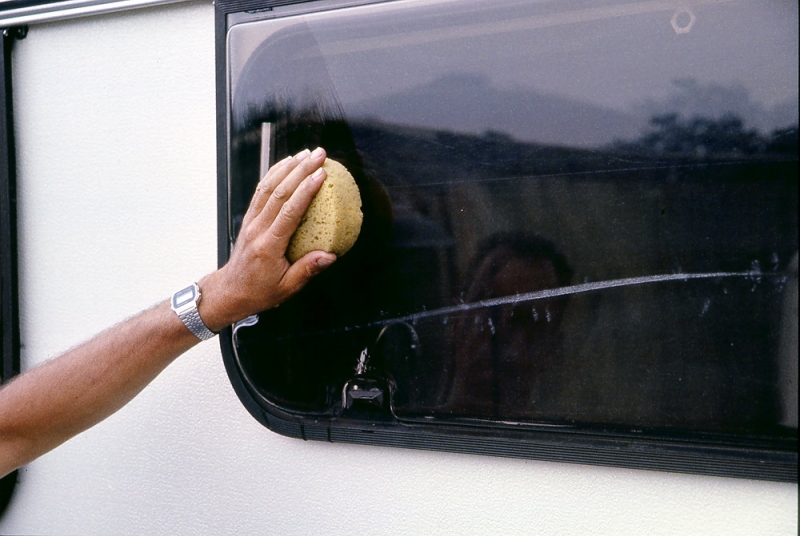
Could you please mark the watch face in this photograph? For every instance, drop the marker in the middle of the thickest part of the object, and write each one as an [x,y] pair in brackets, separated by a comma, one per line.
[184,296]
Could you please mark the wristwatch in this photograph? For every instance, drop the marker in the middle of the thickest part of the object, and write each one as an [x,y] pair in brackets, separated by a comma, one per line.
[184,303]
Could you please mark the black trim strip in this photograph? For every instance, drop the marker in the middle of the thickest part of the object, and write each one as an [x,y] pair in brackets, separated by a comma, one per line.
[9,290]
[9,312]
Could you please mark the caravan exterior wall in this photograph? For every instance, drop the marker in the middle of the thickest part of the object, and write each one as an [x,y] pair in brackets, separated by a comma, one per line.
[115,126]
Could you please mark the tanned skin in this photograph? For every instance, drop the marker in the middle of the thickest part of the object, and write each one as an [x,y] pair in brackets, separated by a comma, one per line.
[61,398]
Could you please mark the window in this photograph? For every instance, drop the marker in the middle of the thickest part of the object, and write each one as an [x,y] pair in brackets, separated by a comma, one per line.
[580,227]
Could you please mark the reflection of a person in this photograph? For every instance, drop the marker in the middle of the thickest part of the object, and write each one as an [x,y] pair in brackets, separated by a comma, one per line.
[501,353]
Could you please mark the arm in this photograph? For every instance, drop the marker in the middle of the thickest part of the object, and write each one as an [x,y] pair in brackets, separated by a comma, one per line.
[46,406]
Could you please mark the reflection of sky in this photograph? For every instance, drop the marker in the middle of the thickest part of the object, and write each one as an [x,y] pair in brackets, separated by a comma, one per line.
[612,62]
[593,52]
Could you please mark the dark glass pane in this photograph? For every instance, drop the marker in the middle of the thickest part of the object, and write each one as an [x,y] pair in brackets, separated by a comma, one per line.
[574,212]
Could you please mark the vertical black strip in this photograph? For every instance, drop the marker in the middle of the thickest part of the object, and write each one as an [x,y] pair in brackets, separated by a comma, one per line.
[223,238]
[9,302]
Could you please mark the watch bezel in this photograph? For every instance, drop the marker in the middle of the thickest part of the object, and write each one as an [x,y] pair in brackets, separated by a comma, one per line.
[193,299]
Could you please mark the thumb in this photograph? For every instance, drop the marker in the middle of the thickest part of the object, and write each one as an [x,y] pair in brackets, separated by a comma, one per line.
[304,270]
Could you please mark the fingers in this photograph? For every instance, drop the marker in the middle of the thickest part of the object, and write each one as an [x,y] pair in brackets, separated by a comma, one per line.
[292,211]
[266,186]
[284,191]
[303,270]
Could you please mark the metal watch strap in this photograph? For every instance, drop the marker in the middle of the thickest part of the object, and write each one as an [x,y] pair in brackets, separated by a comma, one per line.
[192,320]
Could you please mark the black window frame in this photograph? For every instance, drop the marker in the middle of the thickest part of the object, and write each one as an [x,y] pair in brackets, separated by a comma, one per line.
[607,446]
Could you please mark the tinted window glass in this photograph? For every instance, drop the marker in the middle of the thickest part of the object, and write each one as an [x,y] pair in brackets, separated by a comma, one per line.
[574,212]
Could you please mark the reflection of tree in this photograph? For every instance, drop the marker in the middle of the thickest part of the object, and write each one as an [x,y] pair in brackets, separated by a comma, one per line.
[692,98]
[701,120]
[783,140]
[701,136]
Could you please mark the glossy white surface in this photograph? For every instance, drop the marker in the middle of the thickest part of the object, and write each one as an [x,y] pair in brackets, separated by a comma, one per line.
[117,181]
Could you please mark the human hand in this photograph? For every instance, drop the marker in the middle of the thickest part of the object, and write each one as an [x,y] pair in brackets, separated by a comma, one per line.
[258,276]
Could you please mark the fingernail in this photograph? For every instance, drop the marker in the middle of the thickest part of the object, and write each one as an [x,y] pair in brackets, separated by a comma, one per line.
[318,173]
[317,152]
[324,262]
[302,155]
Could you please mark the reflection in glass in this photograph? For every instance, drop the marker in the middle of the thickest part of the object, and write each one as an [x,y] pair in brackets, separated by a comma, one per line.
[573,212]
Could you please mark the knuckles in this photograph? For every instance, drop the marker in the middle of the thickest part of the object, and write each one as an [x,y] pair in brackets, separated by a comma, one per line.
[281,194]
[289,212]
[248,234]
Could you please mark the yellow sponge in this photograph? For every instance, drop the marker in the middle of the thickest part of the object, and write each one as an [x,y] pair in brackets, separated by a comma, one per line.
[333,219]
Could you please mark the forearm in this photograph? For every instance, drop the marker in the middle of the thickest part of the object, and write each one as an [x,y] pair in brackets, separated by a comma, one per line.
[50,404]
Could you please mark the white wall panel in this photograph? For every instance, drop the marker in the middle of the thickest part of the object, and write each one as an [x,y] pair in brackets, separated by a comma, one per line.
[116,149]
